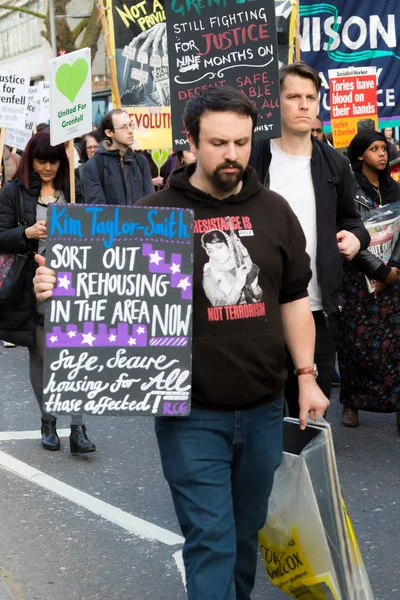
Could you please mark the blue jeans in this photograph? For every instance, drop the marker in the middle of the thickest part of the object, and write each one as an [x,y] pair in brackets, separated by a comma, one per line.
[220,468]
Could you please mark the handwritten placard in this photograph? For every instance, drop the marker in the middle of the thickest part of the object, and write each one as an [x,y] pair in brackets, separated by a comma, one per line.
[118,327]
[230,42]
[138,36]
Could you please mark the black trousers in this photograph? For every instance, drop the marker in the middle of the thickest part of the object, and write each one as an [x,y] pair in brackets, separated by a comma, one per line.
[324,358]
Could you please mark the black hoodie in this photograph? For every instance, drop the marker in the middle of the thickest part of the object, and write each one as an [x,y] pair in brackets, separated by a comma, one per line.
[238,343]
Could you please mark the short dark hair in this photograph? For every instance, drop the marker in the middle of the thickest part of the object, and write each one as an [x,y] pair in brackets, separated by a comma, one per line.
[82,148]
[214,236]
[300,69]
[39,147]
[217,99]
[107,122]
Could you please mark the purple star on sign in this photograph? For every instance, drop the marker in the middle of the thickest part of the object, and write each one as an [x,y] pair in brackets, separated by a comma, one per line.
[64,284]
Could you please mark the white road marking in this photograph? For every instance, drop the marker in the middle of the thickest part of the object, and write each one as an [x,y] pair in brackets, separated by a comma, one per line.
[6,436]
[181,567]
[135,525]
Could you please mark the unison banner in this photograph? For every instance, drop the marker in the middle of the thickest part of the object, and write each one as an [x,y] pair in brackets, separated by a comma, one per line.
[139,42]
[350,33]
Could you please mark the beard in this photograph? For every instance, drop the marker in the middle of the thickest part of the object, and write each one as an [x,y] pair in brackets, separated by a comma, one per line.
[226,182]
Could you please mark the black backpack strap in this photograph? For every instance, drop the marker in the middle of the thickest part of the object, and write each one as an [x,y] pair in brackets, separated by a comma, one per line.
[99,160]
[138,160]
[20,207]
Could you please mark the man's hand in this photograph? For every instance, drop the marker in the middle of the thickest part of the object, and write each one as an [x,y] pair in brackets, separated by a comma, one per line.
[311,399]
[391,278]
[44,280]
[348,244]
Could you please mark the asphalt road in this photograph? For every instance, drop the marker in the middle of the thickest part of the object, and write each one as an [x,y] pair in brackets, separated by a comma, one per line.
[105,529]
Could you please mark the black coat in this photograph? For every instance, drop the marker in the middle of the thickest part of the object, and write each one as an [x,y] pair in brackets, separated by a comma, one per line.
[335,210]
[17,320]
[365,261]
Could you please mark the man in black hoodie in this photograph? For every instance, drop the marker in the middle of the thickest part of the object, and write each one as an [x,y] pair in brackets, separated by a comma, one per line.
[250,297]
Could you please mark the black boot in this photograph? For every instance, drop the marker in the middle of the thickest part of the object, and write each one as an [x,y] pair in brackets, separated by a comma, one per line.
[50,439]
[79,442]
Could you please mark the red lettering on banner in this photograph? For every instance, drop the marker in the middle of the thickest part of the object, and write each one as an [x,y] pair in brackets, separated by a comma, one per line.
[183,95]
[157,120]
[239,36]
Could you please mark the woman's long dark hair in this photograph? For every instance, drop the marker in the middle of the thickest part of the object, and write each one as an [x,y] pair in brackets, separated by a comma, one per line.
[39,147]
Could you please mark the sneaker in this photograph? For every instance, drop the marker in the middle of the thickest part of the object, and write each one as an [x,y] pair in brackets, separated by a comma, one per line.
[335,379]
[9,345]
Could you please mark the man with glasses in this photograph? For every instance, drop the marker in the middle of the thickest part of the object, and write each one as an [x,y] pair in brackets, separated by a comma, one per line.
[116,174]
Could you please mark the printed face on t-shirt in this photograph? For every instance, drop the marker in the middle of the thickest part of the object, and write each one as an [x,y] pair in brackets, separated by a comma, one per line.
[299,105]
[218,251]
[223,152]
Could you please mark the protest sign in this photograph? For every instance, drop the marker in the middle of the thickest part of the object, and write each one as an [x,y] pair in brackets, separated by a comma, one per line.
[44,96]
[395,169]
[33,109]
[139,43]
[353,103]
[70,96]
[13,99]
[349,32]
[224,43]
[18,138]
[118,327]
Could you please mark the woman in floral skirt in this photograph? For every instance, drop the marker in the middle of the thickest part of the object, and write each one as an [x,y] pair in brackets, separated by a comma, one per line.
[369,324]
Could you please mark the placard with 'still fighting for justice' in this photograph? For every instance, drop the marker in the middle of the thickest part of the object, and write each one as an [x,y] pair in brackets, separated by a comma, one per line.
[118,326]
[220,43]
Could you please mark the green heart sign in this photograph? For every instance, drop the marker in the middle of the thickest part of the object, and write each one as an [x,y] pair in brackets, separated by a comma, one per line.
[159,157]
[70,78]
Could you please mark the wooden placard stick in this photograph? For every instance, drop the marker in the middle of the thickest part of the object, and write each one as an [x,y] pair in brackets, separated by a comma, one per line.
[71,151]
[110,55]
[2,138]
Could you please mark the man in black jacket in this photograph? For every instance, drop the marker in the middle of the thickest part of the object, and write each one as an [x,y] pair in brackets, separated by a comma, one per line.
[116,174]
[317,183]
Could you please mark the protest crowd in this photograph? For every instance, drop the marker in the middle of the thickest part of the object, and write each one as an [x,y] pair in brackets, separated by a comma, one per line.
[295,279]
